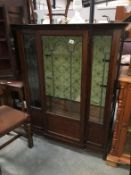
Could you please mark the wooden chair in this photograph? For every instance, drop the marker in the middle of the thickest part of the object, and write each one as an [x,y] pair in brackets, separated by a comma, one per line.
[51,14]
[9,87]
[11,119]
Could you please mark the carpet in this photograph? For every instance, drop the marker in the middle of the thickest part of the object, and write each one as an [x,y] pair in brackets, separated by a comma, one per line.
[49,157]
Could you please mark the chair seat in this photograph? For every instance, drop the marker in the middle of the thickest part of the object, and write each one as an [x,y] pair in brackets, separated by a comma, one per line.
[10,118]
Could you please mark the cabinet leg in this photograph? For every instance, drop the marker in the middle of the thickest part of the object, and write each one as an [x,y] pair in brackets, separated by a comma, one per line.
[28,129]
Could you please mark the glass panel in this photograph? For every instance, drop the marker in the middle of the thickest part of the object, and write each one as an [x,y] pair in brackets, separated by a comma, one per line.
[32,69]
[62,64]
[100,66]
[127,147]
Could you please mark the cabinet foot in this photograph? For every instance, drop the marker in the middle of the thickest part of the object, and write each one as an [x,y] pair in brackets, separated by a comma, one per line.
[111,160]
[111,163]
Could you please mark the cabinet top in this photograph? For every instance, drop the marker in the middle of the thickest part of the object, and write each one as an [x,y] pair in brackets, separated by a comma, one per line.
[109,26]
[123,75]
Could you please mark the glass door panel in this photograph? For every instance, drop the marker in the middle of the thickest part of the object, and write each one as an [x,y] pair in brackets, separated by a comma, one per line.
[127,146]
[62,65]
[32,69]
[100,66]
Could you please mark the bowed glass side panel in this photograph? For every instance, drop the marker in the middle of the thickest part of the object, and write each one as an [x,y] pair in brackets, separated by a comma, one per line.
[127,145]
[32,69]
[62,65]
[100,67]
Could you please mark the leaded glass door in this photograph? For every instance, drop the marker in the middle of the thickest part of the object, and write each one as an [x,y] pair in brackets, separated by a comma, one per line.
[104,67]
[30,66]
[62,64]
[99,77]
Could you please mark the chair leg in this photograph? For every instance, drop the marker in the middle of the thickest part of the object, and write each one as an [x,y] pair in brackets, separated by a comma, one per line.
[0,171]
[29,134]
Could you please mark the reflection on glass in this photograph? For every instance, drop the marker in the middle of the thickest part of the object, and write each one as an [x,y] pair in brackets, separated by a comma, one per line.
[62,65]
[100,66]
[32,68]
[127,147]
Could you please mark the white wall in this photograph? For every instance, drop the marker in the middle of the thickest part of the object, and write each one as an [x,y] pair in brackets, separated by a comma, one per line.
[85,13]
[100,10]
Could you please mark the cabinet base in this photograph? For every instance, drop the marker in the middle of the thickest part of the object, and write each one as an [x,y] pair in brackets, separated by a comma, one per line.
[114,160]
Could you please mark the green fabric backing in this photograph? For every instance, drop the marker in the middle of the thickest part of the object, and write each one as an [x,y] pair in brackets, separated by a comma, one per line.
[62,64]
[100,66]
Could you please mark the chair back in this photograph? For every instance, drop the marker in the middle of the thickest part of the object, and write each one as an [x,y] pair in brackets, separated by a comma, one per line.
[3,94]
[51,14]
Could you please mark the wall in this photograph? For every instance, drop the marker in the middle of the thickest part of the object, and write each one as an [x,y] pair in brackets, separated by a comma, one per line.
[100,10]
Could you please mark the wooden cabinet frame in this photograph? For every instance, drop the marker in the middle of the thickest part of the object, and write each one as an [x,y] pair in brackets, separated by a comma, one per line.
[84,133]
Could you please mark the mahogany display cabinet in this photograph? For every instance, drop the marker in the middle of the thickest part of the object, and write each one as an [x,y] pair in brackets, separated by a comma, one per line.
[69,72]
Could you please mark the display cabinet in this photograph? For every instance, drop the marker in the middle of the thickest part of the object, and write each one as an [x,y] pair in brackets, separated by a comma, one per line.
[11,12]
[5,56]
[18,11]
[69,73]
[121,145]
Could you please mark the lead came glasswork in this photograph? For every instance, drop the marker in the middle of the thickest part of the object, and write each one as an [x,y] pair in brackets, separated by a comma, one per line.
[100,66]
[62,65]
[32,68]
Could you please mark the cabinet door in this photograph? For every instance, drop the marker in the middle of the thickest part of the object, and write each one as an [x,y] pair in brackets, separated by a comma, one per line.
[30,68]
[102,71]
[99,78]
[62,65]
[63,59]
